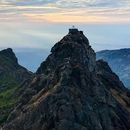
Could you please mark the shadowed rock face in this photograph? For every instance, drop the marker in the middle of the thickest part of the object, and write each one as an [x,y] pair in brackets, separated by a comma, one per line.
[119,61]
[9,66]
[113,84]
[12,75]
[71,92]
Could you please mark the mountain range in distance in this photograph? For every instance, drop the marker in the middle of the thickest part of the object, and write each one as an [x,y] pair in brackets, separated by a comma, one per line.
[119,61]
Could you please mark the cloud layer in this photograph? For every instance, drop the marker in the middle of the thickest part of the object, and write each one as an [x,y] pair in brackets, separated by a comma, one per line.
[68,11]
[70,3]
[41,23]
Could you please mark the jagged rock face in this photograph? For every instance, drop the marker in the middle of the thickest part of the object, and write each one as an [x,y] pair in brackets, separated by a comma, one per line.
[10,54]
[12,75]
[9,66]
[106,75]
[68,93]
[73,48]
[113,84]
[119,61]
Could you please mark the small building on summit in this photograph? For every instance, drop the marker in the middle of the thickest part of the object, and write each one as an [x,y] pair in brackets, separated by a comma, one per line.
[74,30]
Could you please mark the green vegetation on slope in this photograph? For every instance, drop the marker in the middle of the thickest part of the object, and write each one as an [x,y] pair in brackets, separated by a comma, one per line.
[7,97]
[11,76]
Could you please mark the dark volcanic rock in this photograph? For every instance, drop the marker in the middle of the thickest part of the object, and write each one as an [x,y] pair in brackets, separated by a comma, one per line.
[9,66]
[71,92]
[113,84]
[108,76]
[12,76]
[10,54]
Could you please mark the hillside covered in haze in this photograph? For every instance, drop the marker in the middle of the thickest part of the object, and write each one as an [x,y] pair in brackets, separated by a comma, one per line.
[119,61]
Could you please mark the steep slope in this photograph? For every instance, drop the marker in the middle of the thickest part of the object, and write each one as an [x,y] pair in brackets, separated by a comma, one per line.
[12,75]
[113,84]
[119,61]
[71,92]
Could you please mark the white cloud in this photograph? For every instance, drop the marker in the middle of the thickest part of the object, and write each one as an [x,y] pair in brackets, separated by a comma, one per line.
[27,2]
[90,7]
[18,19]
[70,3]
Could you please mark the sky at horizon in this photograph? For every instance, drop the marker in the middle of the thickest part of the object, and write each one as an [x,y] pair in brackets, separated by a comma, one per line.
[41,23]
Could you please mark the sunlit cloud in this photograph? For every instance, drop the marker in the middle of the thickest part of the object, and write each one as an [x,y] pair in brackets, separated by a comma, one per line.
[61,17]
[83,16]
[41,23]
[68,11]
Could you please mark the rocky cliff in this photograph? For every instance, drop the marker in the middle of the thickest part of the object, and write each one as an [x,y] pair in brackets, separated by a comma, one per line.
[12,75]
[9,66]
[71,91]
[119,61]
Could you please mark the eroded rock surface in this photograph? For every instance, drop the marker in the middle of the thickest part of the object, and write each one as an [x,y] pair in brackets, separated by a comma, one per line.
[12,76]
[71,91]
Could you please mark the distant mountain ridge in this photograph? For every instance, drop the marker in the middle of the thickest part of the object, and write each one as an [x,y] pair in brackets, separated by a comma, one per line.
[119,61]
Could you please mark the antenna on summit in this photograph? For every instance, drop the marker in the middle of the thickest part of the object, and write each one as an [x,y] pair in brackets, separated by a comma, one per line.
[73,30]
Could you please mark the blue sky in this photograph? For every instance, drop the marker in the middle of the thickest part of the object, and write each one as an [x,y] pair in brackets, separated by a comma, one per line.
[41,23]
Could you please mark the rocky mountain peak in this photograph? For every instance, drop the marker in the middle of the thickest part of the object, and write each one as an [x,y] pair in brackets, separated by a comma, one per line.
[12,76]
[74,49]
[71,91]
[119,61]
[9,66]
[8,53]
